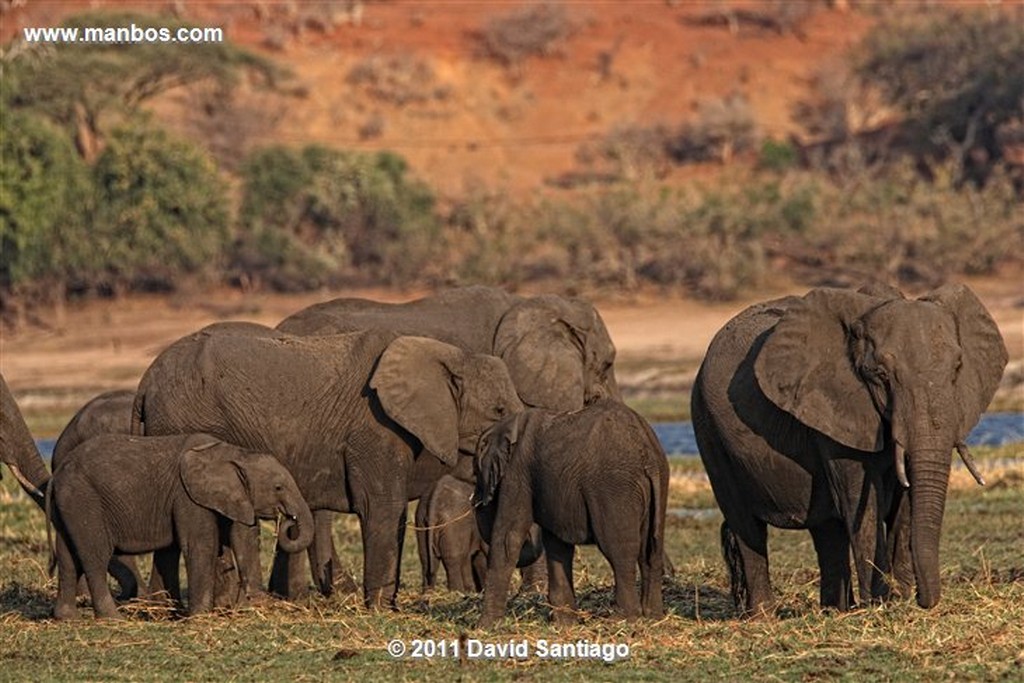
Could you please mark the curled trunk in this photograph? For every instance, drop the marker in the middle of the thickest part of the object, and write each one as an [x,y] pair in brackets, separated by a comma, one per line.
[295,532]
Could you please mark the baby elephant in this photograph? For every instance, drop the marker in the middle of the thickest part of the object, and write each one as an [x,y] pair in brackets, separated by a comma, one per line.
[453,536]
[596,475]
[168,494]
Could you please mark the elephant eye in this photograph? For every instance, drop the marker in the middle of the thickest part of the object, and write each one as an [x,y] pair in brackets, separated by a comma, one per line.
[499,410]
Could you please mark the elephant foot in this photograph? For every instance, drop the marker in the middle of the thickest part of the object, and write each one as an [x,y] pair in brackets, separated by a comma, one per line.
[562,616]
[65,612]
[117,616]
[486,621]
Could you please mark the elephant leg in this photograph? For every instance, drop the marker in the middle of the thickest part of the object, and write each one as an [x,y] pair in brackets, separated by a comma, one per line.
[652,574]
[383,530]
[94,565]
[479,562]
[423,544]
[748,567]
[561,594]
[166,578]
[626,598]
[201,567]
[244,545]
[125,571]
[535,576]
[465,567]
[69,572]
[504,552]
[832,544]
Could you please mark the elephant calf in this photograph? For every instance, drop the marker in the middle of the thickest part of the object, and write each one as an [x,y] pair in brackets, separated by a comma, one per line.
[596,475]
[169,495]
[452,534]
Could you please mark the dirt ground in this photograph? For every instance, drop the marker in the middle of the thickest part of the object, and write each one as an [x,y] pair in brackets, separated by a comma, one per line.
[105,345]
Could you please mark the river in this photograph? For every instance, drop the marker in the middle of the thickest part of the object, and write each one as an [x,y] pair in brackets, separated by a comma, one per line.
[994,429]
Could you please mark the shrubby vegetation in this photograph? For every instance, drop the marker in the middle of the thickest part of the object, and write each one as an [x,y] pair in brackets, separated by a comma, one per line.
[320,216]
[96,198]
[161,210]
[44,205]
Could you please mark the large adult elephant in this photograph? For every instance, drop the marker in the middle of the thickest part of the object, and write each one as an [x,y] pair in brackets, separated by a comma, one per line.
[357,418]
[817,412]
[18,449]
[557,350]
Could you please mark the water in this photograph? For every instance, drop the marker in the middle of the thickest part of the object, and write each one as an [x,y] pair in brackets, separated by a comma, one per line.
[994,429]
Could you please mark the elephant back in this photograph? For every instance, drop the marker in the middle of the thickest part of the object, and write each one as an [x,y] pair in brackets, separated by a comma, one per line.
[465,317]
[108,413]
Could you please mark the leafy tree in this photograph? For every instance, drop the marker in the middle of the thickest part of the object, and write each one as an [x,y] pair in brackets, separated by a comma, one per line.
[44,208]
[958,77]
[343,215]
[88,88]
[161,207]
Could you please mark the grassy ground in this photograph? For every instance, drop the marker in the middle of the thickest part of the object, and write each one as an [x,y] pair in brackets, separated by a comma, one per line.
[976,632]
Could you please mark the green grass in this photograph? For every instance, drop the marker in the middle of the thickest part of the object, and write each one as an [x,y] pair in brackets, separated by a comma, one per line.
[975,633]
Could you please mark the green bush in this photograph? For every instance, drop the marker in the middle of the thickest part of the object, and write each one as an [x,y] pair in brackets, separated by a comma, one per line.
[161,209]
[44,206]
[317,215]
[776,156]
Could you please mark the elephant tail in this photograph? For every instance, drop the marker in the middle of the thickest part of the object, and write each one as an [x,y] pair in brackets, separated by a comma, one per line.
[50,543]
[138,412]
[655,526]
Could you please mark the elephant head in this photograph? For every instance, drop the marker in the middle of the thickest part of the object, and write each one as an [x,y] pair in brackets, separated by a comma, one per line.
[496,447]
[442,395]
[558,352]
[876,373]
[18,449]
[246,485]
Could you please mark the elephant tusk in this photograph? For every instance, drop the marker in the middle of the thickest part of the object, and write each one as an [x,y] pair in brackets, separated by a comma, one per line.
[25,483]
[901,465]
[972,467]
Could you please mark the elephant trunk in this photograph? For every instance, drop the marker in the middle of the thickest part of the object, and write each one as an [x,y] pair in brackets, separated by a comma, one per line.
[929,480]
[295,532]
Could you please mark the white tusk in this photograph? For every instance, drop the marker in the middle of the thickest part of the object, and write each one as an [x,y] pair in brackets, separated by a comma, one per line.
[25,483]
[968,459]
[901,465]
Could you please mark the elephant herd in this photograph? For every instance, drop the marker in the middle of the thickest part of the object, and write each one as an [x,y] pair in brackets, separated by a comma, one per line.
[835,412]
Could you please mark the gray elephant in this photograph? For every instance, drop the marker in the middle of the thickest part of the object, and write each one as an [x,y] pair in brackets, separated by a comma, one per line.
[166,494]
[18,449]
[455,531]
[363,421]
[557,350]
[817,412]
[596,475]
[108,413]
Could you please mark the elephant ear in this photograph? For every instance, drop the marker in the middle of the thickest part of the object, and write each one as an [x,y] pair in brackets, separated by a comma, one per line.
[542,341]
[418,382]
[983,351]
[496,449]
[805,368]
[213,480]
